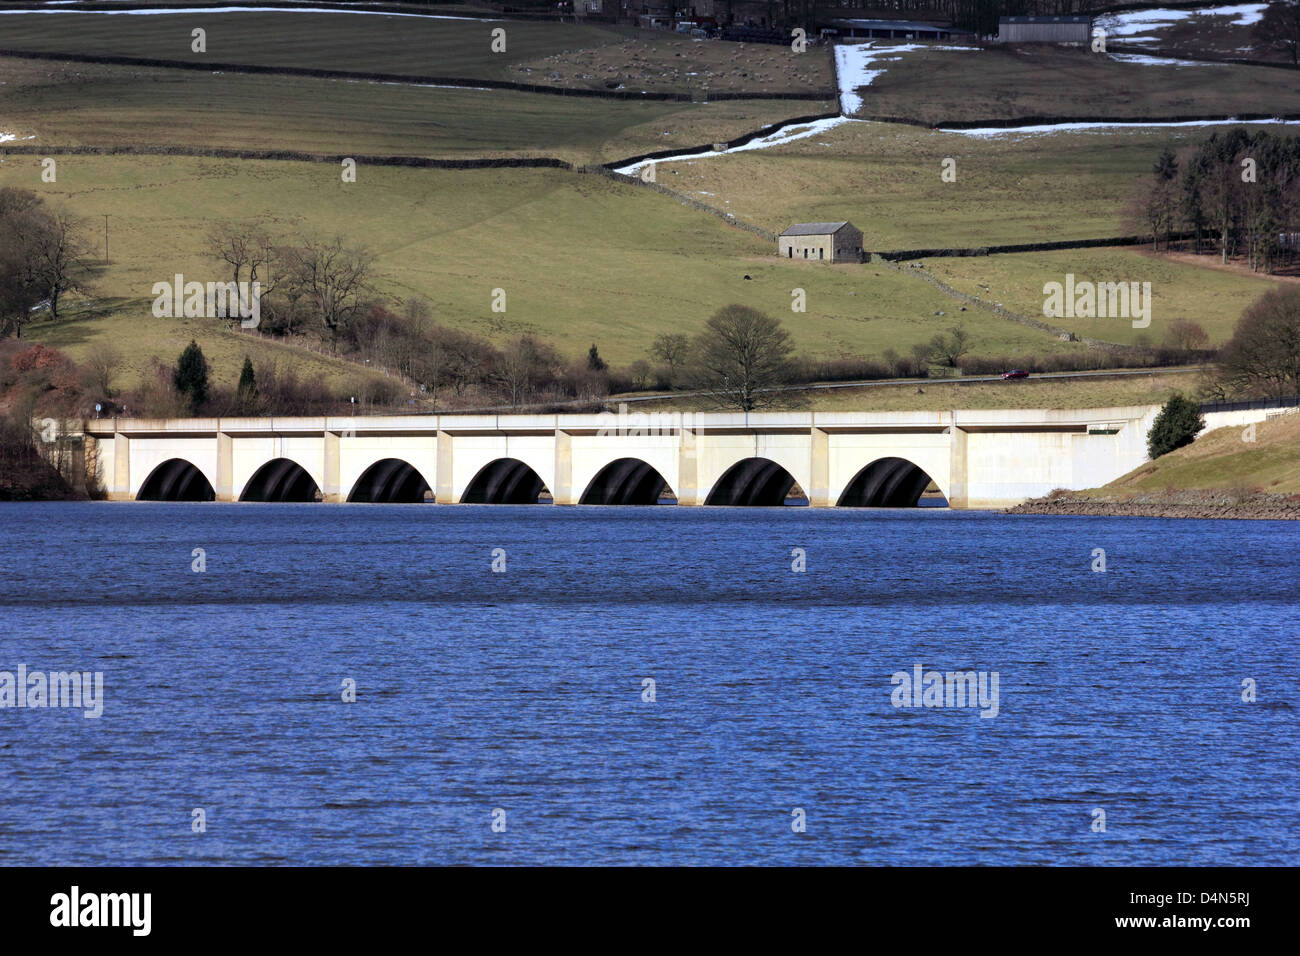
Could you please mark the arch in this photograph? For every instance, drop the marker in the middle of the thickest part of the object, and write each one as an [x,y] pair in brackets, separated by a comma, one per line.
[626,481]
[176,480]
[886,483]
[752,482]
[281,479]
[390,481]
[505,481]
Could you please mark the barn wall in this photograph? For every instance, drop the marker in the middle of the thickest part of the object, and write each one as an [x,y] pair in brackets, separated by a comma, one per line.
[1044,32]
[848,245]
[811,243]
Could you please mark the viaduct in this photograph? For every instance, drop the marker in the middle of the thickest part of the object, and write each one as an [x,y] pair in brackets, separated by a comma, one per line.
[975,459]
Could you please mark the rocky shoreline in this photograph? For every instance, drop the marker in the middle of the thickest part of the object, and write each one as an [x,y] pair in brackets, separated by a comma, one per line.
[1240,505]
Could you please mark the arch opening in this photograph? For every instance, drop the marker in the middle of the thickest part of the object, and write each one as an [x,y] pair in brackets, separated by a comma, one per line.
[390,481]
[887,483]
[281,480]
[506,481]
[754,482]
[626,481]
[176,480]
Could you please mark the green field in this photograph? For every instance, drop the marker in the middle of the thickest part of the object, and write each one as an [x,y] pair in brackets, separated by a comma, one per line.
[582,259]
[554,54]
[72,104]
[1008,82]
[1212,298]
[885,179]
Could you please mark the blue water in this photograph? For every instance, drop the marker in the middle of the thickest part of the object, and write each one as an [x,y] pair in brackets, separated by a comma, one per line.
[522,690]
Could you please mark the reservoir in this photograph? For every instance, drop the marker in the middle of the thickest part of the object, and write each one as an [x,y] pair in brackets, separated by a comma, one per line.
[227,634]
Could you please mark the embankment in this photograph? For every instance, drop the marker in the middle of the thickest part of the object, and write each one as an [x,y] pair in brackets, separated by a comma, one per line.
[1239,471]
[1169,504]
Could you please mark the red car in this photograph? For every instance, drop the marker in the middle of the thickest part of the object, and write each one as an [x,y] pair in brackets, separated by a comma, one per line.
[1015,373]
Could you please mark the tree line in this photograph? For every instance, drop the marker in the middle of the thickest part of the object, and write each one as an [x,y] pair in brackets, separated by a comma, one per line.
[1237,193]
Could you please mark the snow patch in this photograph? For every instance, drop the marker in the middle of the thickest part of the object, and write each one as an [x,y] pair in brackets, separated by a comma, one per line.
[778,137]
[1132,23]
[1158,60]
[994,132]
[855,63]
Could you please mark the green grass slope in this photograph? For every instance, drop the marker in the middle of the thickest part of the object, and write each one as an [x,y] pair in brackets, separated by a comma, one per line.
[1179,289]
[1224,460]
[886,179]
[582,259]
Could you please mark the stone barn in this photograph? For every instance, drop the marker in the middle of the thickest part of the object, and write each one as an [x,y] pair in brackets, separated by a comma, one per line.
[1071,29]
[824,241]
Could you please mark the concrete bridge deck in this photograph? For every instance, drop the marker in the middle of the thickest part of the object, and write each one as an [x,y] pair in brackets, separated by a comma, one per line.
[977,459]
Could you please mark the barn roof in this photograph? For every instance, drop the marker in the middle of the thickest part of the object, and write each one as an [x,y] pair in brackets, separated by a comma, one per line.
[904,25]
[815,228]
[1069,19]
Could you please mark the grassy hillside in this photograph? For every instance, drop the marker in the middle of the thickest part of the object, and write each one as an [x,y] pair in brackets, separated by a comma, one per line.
[1221,459]
[77,104]
[560,54]
[1006,82]
[1179,289]
[886,179]
[582,259]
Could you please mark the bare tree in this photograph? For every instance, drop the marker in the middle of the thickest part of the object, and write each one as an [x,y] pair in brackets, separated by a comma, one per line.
[57,250]
[524,367]
[244,248]
[921,359]
[1263,355]
[41,257]
[1186,334]
[102,367]
[949,349]
[639,374]
[332,278]
[672,349]
[741,357]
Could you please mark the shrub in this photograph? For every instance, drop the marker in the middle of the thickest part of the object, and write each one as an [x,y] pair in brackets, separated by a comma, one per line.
[1175,426]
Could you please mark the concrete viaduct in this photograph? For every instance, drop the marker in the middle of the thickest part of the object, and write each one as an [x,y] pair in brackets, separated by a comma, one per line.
[977,459]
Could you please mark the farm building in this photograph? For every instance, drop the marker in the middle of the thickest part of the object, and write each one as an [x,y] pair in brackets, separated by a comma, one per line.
[825,241]
[895,30]
[1073,29]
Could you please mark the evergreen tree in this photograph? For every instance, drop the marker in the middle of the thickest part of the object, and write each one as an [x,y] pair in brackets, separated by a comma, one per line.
[594,361]
[1175,426]
[247,392]
[1166,166]
[191,376]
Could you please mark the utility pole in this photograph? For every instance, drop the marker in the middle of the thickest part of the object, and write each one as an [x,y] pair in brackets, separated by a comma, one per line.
[105,238]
